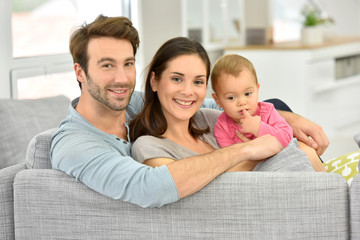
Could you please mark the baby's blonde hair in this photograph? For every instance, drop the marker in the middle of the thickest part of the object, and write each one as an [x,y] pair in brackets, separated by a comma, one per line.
[231,64]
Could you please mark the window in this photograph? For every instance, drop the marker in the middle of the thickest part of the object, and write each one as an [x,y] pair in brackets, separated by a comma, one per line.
[39,63]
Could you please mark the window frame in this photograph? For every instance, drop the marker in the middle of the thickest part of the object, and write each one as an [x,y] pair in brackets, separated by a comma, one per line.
[11,69]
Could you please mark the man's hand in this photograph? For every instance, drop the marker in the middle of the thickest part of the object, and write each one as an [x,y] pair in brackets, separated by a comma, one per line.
[306,131]
[250,124]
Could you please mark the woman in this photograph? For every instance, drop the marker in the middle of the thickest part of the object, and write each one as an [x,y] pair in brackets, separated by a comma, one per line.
[171,125]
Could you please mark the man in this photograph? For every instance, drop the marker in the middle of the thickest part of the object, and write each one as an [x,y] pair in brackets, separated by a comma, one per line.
[92,145]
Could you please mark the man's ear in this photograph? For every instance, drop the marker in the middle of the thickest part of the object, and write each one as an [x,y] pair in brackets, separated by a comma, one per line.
[79,72]
[216,100]
[153,82]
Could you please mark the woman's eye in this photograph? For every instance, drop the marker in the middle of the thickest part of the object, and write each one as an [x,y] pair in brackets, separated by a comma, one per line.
[176,79]
[199,82]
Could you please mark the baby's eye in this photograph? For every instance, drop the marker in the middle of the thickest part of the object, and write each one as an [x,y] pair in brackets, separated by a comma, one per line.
[248,94]
[231,98]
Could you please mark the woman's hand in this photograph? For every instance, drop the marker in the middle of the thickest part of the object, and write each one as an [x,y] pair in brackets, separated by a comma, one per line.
[307,131]
[263,147]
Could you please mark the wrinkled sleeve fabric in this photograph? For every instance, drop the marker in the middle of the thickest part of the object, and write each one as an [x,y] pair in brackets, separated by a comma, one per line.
[222,132]
[103,163]
[149,147]
[210,103]
[107,171]
[272,123]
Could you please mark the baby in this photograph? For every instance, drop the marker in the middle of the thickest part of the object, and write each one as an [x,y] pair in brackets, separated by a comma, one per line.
[236,88]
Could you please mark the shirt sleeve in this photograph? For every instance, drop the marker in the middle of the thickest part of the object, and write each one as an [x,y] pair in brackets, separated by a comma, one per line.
[104,169]
[272,123]
[148,147]
[210,103]
[222,132]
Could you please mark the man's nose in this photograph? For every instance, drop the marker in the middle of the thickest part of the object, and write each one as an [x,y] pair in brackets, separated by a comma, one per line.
[120,75]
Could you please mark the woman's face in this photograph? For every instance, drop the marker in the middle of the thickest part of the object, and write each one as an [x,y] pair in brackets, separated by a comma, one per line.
[181,88]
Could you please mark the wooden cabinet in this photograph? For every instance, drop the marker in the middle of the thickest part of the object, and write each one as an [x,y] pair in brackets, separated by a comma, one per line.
[321,83]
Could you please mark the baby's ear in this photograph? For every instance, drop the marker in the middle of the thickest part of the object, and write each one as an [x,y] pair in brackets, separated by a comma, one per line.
[216,100]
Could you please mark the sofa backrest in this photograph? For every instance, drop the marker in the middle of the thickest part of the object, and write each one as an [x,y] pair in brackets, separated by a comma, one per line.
[49,204]
[20,120]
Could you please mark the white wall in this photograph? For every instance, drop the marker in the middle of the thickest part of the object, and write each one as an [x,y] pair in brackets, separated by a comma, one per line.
[346,14]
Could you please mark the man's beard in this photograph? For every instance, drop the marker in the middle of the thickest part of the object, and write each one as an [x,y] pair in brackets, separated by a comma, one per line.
[100,95]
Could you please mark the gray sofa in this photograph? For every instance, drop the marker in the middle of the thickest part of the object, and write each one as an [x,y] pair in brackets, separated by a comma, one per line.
[40,203]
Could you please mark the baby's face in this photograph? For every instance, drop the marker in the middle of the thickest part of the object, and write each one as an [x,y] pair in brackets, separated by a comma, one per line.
[235,94]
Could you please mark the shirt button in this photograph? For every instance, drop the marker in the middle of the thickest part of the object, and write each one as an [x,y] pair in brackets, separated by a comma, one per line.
[118,139]
[124,142]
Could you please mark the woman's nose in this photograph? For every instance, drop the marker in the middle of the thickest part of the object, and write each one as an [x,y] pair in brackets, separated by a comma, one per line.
[187,88]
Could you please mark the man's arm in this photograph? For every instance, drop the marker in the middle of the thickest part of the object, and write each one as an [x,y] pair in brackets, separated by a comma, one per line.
[306,131]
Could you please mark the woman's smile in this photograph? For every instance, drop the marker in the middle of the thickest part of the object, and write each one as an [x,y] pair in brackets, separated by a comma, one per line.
[184,103]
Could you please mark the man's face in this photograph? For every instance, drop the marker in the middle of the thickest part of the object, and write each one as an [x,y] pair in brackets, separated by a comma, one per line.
[111,72]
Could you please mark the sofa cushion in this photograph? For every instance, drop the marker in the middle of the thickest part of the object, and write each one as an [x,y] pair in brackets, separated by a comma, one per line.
[345,165]
[20,120]
[38,151]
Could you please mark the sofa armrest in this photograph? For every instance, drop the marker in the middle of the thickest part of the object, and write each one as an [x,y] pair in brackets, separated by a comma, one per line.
[7,176]
[247,205]
[355,207]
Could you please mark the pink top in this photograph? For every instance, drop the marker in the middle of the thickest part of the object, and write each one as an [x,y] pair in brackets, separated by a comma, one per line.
[271,123]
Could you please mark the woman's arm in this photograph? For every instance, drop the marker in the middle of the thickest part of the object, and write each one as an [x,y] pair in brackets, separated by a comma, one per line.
[157,162]
[193,173]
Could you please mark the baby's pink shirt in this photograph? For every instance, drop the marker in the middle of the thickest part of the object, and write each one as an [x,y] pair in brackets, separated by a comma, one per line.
[271,123]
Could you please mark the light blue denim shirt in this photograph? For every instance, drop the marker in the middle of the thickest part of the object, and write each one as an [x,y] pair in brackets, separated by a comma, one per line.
[103,161]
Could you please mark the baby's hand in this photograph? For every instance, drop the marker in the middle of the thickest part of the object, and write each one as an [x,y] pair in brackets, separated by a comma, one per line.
[250,124]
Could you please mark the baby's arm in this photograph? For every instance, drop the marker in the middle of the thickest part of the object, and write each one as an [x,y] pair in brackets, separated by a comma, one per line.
[222,135]
[276,126]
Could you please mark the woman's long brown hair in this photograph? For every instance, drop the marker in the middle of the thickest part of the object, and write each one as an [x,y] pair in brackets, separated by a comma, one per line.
[151,120]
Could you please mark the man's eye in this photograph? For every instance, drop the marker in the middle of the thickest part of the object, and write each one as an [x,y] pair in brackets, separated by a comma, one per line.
[129,64]
[107,65]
